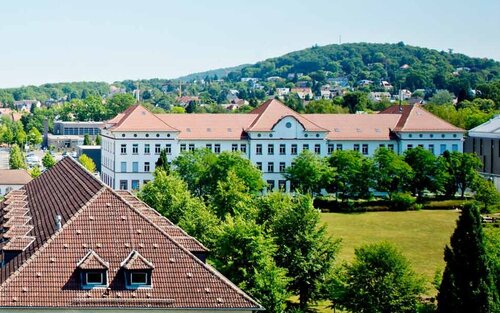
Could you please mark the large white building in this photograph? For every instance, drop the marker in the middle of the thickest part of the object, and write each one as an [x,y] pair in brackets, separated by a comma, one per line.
[271,136]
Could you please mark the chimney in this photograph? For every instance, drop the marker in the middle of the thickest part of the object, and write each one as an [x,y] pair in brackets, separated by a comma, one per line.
[58,222]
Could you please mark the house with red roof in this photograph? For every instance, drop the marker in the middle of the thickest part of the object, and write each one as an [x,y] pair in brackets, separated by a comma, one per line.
[271,136]
[70,243]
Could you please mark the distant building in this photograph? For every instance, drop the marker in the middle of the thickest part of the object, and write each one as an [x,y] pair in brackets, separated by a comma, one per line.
[339,81]
[379,96]
[386,85]
[77,128]
[64,141]
[13,180]
[271,136]
[484,141]
[26,105]
[364,83]
[281,92]
[303,93]
[252,80]
[274,79]
[10,114]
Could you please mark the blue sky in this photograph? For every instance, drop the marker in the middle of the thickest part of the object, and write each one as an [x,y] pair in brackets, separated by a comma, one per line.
[45,41]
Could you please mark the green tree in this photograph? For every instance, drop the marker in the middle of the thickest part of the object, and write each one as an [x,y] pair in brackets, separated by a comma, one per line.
[162,162]
[48,160]
[353,174]
[378,280]
[486,194]
[19,134]
[492,247]
[34,136]
[355,101]
[309,172]
[462,169]
[16,158]
[245,254]
[392,173]
[35,172]
[442,97]
[467,281]
[98,140]
[304,248]
[425,166]
[231,196]
[169,195]
[86,140]
[87,163]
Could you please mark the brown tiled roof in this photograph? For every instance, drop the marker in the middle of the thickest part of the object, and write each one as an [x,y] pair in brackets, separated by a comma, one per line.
[95,218]
[92,261]
[414,118]
[272,111]
[356,126]
[138,118]
[135,261]
[14,177]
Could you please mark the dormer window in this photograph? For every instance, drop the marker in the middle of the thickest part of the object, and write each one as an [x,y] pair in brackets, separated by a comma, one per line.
[138,271]
[93,271]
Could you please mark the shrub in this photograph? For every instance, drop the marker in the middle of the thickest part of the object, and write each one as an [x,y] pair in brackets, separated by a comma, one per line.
[402,201]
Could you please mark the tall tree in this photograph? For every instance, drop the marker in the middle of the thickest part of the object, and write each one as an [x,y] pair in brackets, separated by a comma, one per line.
[425,166]
[309,172]
[34,136]
[304,248]
[462,170]
[86,140]
[379,279]
[467,282]
[162,162]
[16,158]
[392,173]
[353,174]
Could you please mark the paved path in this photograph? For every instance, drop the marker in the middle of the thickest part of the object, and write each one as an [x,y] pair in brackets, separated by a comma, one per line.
[4,159]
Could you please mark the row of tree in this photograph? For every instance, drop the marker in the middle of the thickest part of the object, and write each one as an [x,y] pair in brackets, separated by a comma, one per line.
[350,175]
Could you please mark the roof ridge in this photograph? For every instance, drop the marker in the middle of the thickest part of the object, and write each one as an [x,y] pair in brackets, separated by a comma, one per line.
[134,107]
[51,238]
[193,257]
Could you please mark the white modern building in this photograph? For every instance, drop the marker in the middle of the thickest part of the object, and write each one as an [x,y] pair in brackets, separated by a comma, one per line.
[271,136]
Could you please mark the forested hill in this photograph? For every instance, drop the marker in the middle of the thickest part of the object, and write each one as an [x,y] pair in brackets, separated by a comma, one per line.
[412,67]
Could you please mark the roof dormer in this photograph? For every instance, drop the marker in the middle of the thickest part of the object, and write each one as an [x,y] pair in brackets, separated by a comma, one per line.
[137,270]
[93,271]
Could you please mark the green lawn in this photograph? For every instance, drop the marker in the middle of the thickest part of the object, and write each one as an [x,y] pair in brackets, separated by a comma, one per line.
[421,235]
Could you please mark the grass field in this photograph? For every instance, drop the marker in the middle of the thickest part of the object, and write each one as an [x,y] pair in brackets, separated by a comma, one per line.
[420,235]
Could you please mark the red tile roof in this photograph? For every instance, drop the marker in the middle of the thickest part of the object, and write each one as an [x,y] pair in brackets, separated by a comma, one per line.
[138,118]
[92,261]
[135,261]
[272,111]
[14,177]
[95,218]
[413,118]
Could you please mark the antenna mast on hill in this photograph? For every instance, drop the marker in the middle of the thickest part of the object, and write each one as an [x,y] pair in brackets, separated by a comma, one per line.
[137,94]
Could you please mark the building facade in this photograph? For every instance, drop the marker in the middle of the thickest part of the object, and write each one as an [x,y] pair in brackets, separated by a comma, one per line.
[484,141]
[77,128]
[270,136]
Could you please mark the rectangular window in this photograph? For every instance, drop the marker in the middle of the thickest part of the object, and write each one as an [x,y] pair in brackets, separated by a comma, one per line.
[317,149]
[94,278]
[282,184]
[282,167]
[305,147]
[339,147]
[259,165]
[234,147]
[191,147]
[331,147]
[168,149]
[147,167]
[123,149]
[123,184]
[356,147]
[243,148]
[123,167]
[138,278]
[258,149]
[442,148]
[390,147]
[135,184]
[294,149]
[135,167]
[270,167]
[431,148]
[183,147]
[270,185]
[135,148]
[157,148]
[421,146]
[381,145]
[146,148]
[454,148]
[209,146]
[217,148]
[270,149]
[364,149]
[282,149]
[408,147]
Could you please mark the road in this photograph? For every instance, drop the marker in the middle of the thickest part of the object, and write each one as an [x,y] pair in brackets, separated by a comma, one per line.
[4,158]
